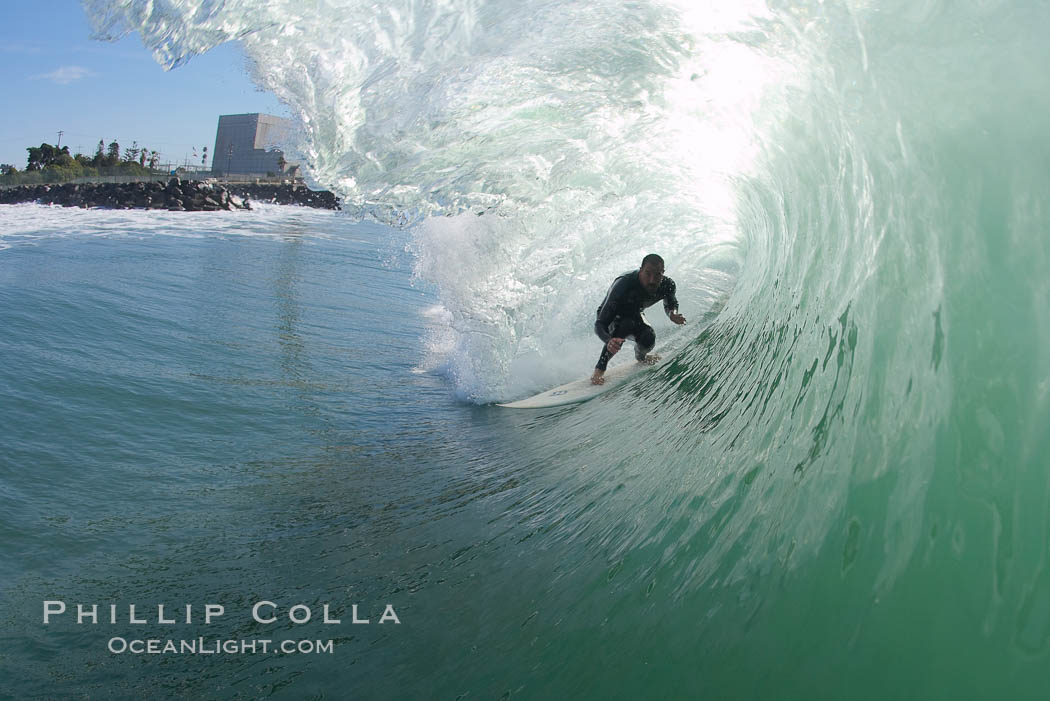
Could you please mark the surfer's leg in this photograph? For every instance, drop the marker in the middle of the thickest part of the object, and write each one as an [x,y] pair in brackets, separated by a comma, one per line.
[644,338]
[644,341]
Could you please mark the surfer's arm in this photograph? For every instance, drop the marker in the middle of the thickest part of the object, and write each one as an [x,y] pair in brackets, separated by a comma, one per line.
[613,343]
[607,312]
[602,331]
[671,302]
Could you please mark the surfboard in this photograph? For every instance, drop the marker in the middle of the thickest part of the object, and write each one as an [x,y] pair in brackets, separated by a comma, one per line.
[581,390]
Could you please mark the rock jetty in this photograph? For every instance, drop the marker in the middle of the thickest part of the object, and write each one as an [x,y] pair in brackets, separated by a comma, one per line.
[175,196]
[286,194]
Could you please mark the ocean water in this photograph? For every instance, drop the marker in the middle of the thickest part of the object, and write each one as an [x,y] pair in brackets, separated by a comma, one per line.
[837,486]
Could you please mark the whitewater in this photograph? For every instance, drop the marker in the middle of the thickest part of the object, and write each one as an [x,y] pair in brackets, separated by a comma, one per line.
[837,485]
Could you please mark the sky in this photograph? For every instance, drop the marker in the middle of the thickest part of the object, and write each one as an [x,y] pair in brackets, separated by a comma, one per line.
[57,78]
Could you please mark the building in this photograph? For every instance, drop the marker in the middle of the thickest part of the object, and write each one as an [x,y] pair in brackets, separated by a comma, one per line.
[245,144]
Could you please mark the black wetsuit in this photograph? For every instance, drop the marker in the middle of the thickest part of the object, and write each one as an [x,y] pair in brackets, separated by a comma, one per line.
[620,314]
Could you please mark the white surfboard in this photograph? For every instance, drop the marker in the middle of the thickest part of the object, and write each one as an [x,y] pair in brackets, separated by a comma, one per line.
[581,390]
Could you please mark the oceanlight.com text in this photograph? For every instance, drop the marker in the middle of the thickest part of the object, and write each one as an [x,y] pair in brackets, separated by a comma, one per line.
[204,646]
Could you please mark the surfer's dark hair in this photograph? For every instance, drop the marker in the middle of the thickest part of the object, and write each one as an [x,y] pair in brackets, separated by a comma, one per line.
[652,258]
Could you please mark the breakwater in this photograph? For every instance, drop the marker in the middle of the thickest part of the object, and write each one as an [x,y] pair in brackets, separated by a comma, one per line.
[286,194]
[175,195]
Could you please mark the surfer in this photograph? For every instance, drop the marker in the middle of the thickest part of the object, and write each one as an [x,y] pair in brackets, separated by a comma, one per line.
[620,314]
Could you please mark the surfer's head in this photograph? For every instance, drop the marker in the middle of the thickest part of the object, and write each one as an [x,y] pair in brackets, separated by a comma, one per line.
[651,274]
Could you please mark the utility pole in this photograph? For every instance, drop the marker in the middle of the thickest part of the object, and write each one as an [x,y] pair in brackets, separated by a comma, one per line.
[60,133]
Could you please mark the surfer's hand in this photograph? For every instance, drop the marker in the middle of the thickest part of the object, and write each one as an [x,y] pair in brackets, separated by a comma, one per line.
[613,346]
[677,318]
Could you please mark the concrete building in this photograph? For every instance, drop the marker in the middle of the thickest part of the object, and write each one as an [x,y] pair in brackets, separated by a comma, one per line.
[245,144]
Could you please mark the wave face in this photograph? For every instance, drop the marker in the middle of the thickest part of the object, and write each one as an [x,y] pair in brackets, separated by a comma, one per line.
[852,199]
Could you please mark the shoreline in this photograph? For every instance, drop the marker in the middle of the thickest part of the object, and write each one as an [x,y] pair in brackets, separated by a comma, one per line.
[174,196]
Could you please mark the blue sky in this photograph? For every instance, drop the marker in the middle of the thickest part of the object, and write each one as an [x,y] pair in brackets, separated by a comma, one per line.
[57,78]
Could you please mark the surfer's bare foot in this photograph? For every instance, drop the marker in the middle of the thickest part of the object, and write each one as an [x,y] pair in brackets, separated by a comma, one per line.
[651,359]
[598,377]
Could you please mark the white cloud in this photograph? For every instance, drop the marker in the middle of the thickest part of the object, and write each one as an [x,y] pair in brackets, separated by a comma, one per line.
[66,74]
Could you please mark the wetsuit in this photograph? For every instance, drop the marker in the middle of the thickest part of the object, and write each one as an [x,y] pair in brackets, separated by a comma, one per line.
[620,314]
